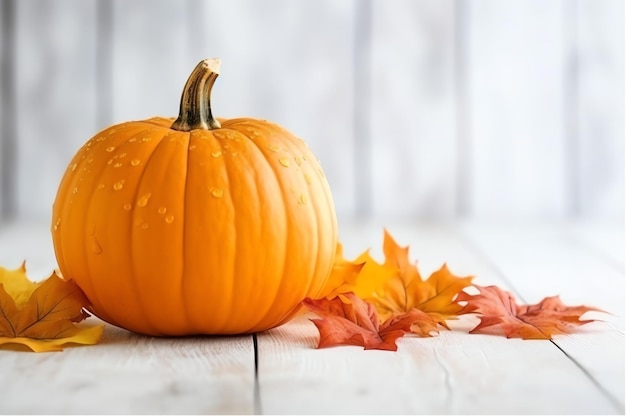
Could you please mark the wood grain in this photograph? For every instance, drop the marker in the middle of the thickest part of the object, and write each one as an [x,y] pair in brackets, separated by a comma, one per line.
[132,374]
[452,373]
[541,261]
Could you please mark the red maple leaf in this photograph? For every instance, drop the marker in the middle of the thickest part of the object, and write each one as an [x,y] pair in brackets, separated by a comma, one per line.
[499,312]
[348,320]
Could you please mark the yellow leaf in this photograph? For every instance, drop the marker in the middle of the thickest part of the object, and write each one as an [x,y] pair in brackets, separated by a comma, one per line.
[396,286]
[343,275]
[82,336]
[17,285]
[42,315]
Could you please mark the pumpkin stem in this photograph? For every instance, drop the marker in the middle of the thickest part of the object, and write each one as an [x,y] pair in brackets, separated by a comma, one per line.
[195,103]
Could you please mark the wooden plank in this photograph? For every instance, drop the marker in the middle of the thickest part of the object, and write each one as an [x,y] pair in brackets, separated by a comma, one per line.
[132,374]
[544,260]
[518,149]
[55,88]
[274,69]
[413,109]
[600,59]
[452,373]
[605,238]
[126,373]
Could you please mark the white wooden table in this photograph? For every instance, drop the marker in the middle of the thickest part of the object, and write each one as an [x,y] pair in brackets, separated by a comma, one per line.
[280,371]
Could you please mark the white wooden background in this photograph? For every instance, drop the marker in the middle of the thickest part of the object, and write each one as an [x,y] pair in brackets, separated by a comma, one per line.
[416,108]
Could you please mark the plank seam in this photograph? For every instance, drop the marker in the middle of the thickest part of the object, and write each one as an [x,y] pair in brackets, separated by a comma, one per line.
[613,400]
[482,256]
[258,408]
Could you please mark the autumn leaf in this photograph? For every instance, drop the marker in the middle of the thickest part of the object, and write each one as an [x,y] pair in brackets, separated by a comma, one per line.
[343,275]
[498,311]
[42,315]
[348,320]
[402,288]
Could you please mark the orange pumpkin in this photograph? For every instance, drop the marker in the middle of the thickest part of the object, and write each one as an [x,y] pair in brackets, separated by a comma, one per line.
[198,225]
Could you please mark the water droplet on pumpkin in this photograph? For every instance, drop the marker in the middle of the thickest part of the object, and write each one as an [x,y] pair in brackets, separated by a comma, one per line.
[73,168]
[110,149]
[57,224]
[146,139]
[132,140]
[216,154]
[110,161]
[217,192]
[161,210]
[302,200]
[284,162]
[117,165]
[90,160]
[75,190]
[298,161]
[100,186]
[304,157]
[118,185]
[135,162]
[143,200]
[95,246]
[144,226]
[169,219]
[307,178]
[127,206]
[274,148]
[192,147]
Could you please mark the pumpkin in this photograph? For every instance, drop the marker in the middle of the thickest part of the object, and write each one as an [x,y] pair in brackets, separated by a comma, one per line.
[196,225]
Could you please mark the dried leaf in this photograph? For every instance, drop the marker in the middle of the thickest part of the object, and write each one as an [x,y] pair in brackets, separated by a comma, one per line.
[499,312]
[397,287]
[42,315]
[343,275]
[348,320]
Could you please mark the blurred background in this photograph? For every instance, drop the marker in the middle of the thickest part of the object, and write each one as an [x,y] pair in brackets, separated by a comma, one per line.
[417,109]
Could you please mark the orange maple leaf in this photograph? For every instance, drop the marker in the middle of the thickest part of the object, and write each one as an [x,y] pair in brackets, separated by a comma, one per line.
[498,311]
[348,320]
[343,276]
[403,288]
[42,315]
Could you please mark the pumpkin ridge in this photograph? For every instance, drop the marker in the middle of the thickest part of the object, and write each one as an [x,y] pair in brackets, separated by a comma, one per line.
[289,226]
[189,318]
[231,292]
[259,184]
[321,184]
[85,257]
[131,234]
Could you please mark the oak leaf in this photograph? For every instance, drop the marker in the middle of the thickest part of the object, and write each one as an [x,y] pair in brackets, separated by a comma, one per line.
[348,320]
[403,289]
[42,315]
[499,312]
